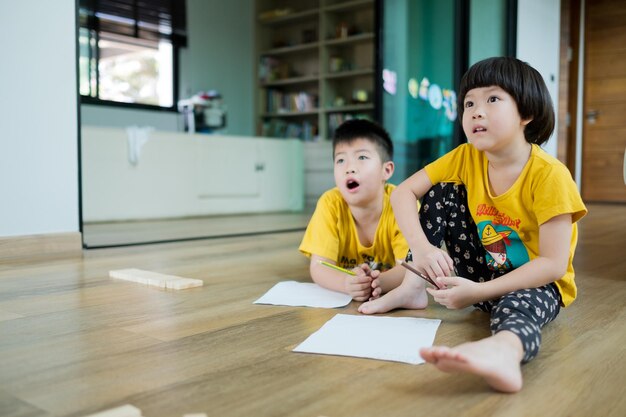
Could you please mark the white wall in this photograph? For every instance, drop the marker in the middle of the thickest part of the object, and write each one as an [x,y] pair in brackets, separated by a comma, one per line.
[538,32]
[38,118]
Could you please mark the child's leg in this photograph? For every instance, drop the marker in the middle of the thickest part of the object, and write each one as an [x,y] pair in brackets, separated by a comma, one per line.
[516,322]
[496,359]
[410,294]
[524,313]
[444,217]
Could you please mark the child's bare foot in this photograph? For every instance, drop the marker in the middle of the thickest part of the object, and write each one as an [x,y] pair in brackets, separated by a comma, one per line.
[496,359]
[410,294]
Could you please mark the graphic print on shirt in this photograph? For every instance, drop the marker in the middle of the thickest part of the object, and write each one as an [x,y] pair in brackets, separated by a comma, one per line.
[505,250]
[350,263]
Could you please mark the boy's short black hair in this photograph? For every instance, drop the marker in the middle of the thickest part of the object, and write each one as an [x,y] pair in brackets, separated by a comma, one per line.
[354,129]
[523,83]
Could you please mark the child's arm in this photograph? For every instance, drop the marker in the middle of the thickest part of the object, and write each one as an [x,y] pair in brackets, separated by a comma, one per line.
[432,260]
[358,286]
[549,266]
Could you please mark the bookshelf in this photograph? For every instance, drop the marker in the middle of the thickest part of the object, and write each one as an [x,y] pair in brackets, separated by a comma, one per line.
[315,66]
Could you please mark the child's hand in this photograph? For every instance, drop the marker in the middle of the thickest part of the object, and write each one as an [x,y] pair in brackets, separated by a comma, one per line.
[359,286]
[376,278]
[376,289]
[434,261]
[455,292]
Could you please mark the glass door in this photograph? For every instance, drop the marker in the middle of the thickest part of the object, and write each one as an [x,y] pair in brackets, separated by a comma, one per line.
[419,101]
[426,47]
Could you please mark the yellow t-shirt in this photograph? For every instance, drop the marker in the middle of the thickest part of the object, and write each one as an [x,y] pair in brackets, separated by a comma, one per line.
[332,234]
[508,224]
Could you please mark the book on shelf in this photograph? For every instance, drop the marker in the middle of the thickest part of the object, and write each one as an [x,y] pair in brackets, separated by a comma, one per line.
[280,102]
[272,69]
[336,119]
[279,128]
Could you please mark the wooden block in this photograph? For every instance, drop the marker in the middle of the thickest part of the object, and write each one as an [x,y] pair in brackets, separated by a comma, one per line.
[155,279]
[183,283]
[123,411]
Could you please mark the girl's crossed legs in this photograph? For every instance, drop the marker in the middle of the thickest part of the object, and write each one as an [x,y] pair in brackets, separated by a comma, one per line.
[516,318]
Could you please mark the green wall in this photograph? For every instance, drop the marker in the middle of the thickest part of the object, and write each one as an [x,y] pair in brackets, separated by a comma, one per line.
[220,56]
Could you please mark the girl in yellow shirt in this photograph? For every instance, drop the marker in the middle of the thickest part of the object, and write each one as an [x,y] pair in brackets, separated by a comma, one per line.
[507,212]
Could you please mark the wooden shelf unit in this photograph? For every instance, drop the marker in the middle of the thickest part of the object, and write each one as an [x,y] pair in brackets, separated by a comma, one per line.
[315,65]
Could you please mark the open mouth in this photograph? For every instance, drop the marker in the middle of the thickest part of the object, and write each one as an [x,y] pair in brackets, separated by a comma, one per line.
[352,184]
[479,129]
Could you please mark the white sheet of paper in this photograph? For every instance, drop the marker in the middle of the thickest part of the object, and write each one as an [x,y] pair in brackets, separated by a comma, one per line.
[387,338]
[303,294]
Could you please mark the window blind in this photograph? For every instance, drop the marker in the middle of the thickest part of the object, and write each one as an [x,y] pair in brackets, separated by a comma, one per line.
[142,19]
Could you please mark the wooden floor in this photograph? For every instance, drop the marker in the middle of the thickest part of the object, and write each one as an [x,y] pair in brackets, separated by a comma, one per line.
[73,341]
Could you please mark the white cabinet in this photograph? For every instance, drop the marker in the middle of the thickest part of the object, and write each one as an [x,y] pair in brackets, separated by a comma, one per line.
[226,168]
[318,168]
[181,175]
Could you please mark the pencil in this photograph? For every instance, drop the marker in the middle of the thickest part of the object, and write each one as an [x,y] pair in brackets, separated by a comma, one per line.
[337,268]
[419,274]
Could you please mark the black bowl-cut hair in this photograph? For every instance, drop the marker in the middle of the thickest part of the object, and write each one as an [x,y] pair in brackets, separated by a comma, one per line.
[354,129]
[523,83]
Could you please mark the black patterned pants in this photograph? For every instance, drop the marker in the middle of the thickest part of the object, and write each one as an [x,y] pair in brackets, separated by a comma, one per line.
[445,218]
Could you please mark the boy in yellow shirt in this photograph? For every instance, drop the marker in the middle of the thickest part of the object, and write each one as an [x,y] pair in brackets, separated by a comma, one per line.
[353,225]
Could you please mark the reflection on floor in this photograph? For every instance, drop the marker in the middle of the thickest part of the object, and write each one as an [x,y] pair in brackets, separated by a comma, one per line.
[97,235]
